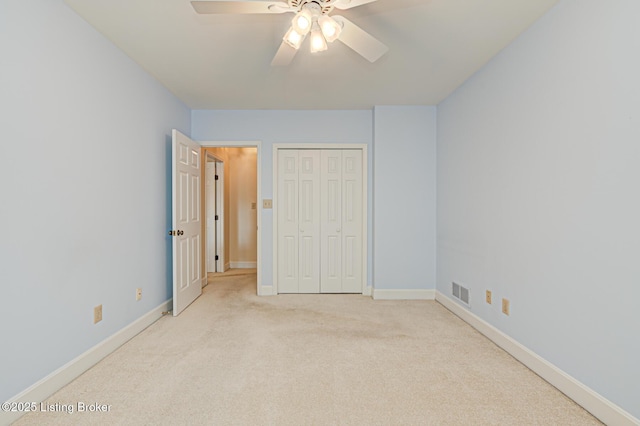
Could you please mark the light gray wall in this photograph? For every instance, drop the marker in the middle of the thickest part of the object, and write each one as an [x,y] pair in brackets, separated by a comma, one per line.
[538,183]
[404,199]
[83,177]
[271,127]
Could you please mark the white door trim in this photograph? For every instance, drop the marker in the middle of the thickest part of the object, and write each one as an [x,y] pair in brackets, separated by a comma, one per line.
[365,184]
[258,146]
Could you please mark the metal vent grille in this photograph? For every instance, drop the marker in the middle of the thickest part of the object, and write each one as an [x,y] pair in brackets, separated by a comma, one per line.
[464,295]
[460,292]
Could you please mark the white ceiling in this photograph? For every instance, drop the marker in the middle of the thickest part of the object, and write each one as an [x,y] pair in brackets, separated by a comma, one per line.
[223,61]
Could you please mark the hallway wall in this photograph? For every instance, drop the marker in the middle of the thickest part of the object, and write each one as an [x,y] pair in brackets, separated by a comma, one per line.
[243,219]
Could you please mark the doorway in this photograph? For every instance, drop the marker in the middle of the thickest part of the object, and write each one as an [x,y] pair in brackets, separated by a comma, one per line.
[238,229]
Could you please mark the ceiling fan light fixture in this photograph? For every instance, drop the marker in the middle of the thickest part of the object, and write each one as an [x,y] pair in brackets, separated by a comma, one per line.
[293,38]
[302,22]
[330,28]
[318,43]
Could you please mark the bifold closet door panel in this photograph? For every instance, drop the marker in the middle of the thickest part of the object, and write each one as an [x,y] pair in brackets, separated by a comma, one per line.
[287,221]
[309,221]
[331,221]
[352,233]
[341,221]
[298,221]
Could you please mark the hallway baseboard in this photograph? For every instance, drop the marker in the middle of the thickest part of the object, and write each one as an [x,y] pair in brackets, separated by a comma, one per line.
[243,265]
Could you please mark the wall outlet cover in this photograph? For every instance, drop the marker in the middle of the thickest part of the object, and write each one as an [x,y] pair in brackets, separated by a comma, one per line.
[97,314]
[505,306]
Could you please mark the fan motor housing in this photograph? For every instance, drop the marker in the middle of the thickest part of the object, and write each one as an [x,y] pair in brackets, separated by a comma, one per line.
[325,6]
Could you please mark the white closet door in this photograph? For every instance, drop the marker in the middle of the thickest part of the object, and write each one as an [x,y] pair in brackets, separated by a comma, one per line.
[298,221]
[341,221]
[287,221]
[320,221]
[331,220]
[309,221]
[352,250]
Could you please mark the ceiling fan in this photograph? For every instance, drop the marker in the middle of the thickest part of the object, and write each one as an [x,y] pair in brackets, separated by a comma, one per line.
[311,17]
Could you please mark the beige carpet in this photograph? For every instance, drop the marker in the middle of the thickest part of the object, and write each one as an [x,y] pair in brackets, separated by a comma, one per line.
[233,358]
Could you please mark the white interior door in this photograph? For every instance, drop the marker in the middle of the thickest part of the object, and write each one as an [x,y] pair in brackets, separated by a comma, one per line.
[352,224]
[331,219]
[186,177]
[287,209]
[210,200]
[220,247]
[341,221]
[298,221]
[309,221]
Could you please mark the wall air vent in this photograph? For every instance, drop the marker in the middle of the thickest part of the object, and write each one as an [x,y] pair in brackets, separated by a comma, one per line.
[460,292]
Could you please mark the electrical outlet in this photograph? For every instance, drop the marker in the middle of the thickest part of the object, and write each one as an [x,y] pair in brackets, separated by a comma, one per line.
[138,293]
[488,296]
[267,204]
[97,314]
[505,306]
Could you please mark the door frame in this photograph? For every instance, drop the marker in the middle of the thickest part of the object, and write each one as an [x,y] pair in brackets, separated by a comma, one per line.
[258,146]
[366,291]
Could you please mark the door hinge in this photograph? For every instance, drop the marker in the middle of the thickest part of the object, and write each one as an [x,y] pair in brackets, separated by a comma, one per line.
[217,257]
[216,218]
[217,177]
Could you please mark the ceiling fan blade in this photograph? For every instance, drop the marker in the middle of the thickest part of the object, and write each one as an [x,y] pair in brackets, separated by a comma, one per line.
[240,7]
[360,40]
[284,55]
[348,4]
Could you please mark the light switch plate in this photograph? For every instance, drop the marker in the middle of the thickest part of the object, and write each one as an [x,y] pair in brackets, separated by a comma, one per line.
[267,204]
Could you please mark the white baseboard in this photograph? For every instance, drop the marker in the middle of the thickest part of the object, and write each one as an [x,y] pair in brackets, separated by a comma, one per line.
[590,400]
[384,294]
[266,290]
[243,265]
[269,290]
[55,381]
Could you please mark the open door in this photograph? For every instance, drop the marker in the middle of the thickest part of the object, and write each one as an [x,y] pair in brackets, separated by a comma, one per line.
[186,180]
